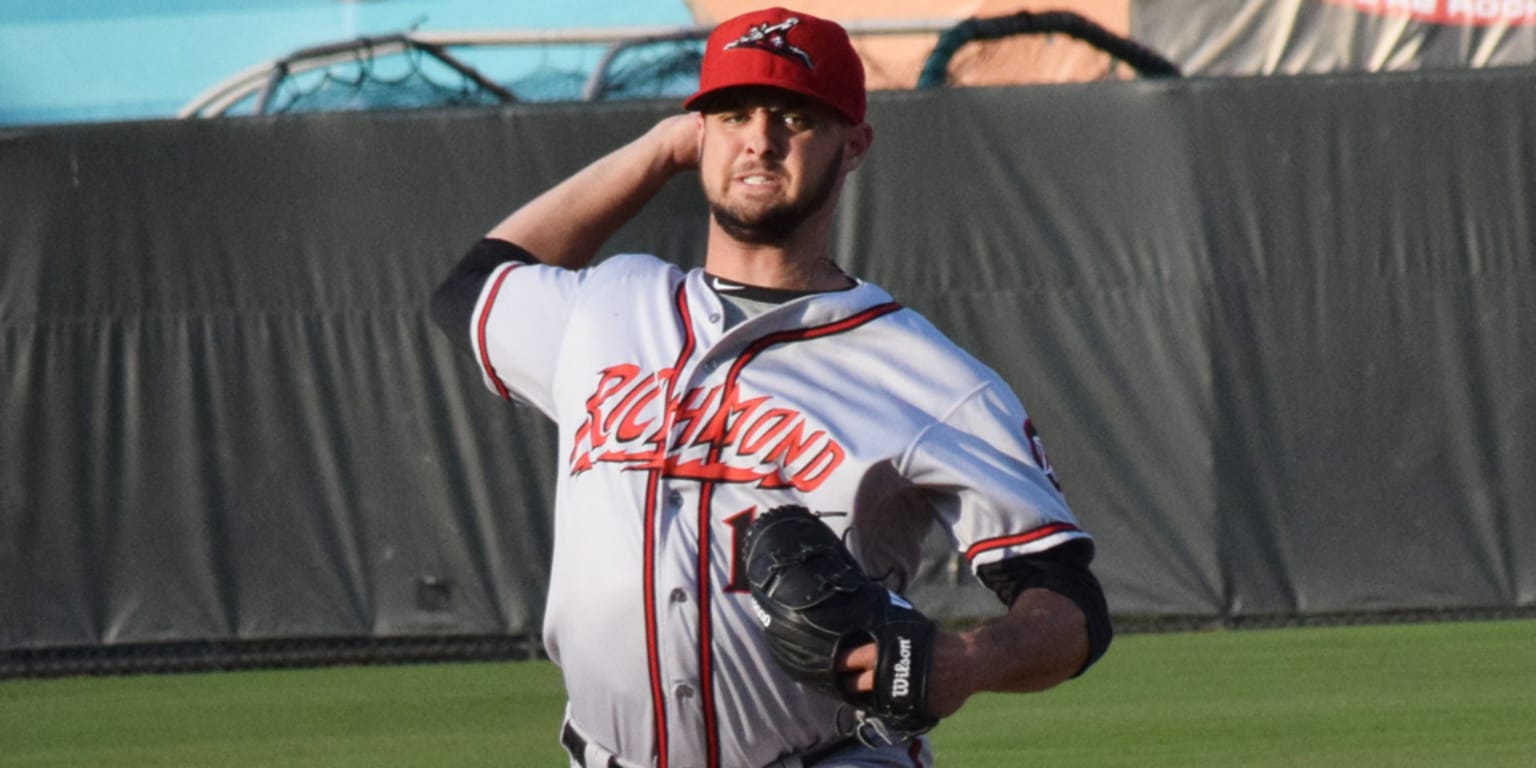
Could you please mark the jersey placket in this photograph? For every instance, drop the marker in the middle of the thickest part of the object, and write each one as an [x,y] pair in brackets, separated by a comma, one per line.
[690,541]
[687,527]
[683,604]
[681,580]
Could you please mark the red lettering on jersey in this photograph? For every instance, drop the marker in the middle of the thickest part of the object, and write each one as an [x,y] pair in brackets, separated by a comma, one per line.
[612,380]
[633,407]
[715,435]
[820,465]
[692,413]
[764,428]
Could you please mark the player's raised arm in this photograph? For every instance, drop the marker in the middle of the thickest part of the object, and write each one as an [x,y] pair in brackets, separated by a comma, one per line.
[567,224]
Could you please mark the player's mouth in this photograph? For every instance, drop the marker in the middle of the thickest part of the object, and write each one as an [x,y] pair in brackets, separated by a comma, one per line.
[758,180]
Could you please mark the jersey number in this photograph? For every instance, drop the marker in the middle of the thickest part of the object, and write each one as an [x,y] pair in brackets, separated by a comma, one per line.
[739,523]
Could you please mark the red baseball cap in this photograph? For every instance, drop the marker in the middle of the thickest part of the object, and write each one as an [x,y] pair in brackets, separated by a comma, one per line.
[780,48]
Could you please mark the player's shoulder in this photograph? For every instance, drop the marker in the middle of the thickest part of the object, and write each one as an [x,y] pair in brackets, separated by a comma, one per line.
[629,271]
[947,362]
[628,265]
[930,343]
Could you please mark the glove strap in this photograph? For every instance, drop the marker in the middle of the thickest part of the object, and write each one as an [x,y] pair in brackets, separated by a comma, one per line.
[905,643]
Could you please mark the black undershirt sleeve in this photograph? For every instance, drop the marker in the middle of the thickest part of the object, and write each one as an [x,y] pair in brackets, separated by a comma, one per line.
[453,303]
[1063,570]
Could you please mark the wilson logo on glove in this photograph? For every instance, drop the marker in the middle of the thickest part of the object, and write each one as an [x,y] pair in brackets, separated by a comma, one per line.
[901,684]
[762,615]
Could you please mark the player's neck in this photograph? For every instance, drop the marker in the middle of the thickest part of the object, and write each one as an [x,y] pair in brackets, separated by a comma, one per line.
[801,263]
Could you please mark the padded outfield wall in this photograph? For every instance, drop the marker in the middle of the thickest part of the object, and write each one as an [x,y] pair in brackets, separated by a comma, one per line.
[1278,334]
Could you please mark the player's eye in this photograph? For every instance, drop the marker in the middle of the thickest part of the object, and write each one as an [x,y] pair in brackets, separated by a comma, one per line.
[796,120]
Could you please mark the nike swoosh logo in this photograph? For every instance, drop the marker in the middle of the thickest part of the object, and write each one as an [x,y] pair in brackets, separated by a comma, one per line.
[721,285]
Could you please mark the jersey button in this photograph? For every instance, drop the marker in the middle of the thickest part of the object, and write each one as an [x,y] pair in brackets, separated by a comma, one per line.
[714,317]
[683,691]
[679,596]
[675,498]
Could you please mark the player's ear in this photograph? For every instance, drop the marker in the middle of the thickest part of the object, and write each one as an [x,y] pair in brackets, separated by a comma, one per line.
[856,146]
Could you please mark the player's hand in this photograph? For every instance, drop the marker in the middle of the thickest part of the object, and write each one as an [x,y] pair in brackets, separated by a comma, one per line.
[678,140]
[857,668]
[945,692]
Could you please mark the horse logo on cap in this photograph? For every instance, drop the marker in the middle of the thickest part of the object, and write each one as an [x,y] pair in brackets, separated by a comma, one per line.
[773,38]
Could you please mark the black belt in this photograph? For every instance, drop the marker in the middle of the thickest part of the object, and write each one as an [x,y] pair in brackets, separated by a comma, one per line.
[577,746]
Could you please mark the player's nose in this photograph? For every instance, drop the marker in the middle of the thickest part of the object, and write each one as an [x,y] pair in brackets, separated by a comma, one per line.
[762,135]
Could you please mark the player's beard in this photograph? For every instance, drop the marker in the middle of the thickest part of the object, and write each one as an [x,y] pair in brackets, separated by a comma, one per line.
[774,225]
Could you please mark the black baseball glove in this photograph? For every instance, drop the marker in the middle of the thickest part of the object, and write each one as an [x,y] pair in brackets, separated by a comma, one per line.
[816,602]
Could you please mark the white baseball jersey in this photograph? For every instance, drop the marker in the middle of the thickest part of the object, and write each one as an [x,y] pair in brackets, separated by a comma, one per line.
[674,432]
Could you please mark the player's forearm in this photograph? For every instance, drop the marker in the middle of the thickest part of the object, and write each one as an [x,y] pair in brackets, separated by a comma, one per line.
[566,225]
[1041,642]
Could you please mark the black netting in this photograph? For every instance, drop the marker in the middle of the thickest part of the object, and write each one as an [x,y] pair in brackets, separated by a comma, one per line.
[410,80]
[647,68]
[657,69]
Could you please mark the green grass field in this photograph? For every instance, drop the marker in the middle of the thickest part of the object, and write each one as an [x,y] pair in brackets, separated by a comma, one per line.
[1442,695]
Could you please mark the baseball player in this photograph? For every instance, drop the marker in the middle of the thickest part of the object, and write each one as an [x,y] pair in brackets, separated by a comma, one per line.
[690,404]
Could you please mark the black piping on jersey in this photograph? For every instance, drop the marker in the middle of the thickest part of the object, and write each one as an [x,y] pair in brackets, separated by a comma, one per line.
[652,651]
[480,333]
[652,521]
[706,627]
[706,498]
